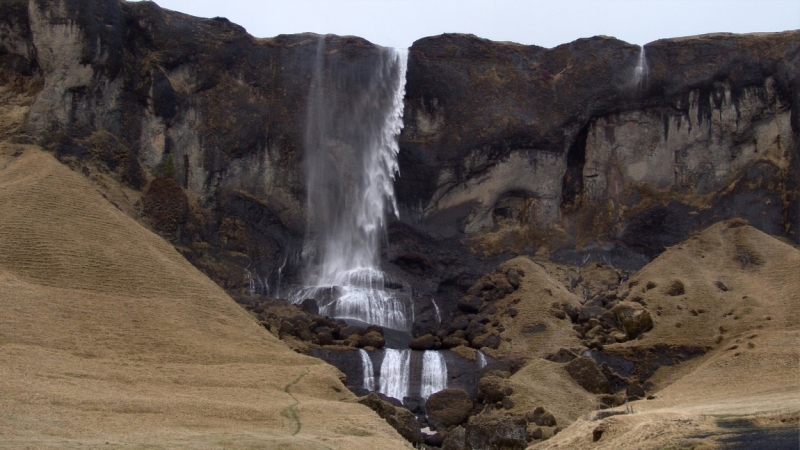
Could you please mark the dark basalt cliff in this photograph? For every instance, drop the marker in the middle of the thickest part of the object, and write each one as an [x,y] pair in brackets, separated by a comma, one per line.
[506,148]
[503,139]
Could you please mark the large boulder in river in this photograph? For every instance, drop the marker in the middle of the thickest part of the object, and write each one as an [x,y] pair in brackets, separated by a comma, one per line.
[448,407]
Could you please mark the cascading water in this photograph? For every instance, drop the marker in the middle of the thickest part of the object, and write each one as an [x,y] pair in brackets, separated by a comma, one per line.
[368,370]
[395,371]
[640,72]
[351,162]
[355,114]
[434,373]
[481,360]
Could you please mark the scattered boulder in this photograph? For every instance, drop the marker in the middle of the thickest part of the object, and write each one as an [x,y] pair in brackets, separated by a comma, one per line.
[372,339]
[635,391]
[456,439]
[586,373]
[399,418]
[427,342]
[448,407]
[470,304]
[492,388]
[310,306]
[634,319]
[506,433]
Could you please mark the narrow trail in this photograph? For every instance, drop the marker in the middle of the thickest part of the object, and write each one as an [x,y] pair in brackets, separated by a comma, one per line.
[291,411]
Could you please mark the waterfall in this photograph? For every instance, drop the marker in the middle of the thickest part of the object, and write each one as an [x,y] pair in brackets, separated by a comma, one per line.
[434,373]
[395,371]
[438,314]
[251,285]
[354,118]
[640,72]
[369,371]
[481,359]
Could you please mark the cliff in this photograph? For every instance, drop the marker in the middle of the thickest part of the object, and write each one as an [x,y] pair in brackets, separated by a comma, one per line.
[593,150]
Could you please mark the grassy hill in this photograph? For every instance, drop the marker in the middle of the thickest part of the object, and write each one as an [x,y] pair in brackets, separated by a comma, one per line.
[108,335]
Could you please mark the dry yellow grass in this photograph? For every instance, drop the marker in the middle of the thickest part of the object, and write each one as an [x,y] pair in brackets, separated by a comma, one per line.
[752,326]
[108,335]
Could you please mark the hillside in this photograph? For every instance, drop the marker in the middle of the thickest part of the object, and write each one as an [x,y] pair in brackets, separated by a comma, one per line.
[739,298]
[108,335]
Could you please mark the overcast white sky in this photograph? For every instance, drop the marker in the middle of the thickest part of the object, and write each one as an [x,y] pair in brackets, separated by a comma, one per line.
[398,23]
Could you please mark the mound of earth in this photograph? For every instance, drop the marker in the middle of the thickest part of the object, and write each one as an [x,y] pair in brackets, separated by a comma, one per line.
[108,335]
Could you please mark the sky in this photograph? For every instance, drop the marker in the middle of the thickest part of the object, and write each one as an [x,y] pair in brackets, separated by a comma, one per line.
[547,23]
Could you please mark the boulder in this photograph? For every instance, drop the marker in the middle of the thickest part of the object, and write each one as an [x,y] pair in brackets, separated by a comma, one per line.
[633,318]
[505,433]
[635,390]
[372,339]
[399,418]
[492,388]
[586,373]
[491,340]
[448,407]
[470,304]
[427,342]
[453,341]
[456,439]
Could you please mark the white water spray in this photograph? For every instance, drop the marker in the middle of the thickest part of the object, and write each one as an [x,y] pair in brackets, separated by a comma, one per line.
[395,370]
[368,371]
[434,373]
[481,360]
[641,70]
[351,162]
[438,314]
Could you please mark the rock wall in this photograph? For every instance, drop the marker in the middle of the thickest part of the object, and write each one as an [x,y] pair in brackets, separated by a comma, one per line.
[506,148]
[580,144]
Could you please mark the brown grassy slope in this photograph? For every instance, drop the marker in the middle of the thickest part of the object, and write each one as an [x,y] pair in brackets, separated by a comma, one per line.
[752,326]
[533,333]
[108,335]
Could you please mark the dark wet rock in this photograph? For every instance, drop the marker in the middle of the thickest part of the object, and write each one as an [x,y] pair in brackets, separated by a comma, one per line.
[456,439]
[448,407]
[586,373]
[470,304]
[399,418]
[496,433]
[435,440]
[310,306]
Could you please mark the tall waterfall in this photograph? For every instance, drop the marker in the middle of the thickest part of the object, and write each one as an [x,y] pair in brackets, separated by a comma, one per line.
[354,118]
[395,371]
[434,373]
[368,371]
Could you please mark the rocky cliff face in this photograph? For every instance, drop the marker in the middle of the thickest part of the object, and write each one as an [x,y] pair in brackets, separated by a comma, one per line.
[580,149]
[600,142]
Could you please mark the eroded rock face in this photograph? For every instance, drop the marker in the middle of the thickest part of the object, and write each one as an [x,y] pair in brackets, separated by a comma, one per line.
[511,136]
